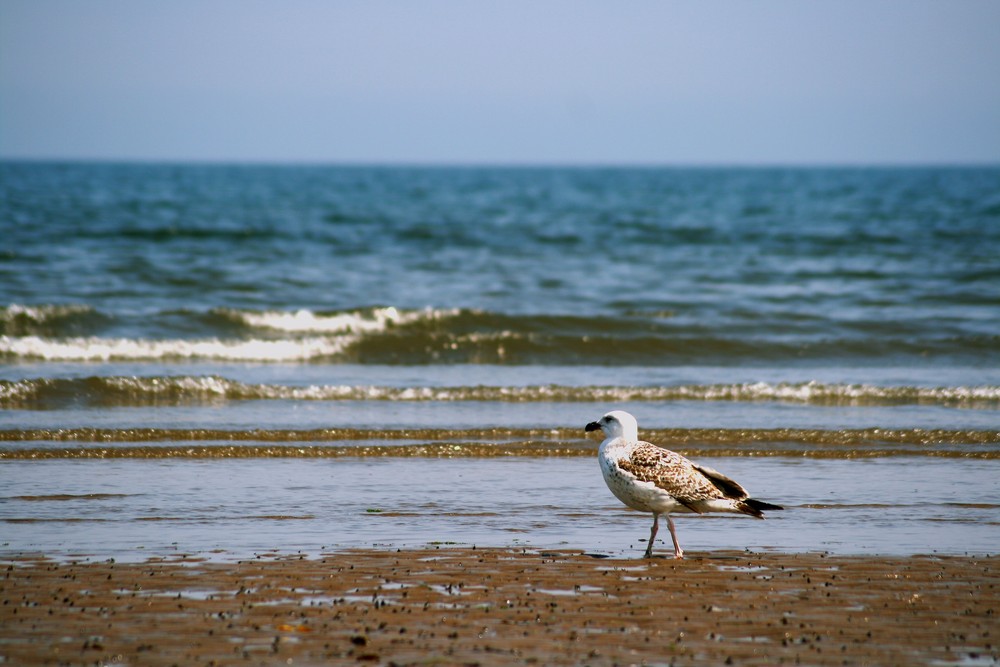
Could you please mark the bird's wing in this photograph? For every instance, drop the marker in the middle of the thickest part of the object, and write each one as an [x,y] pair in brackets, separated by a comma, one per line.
[730,487]
[671,472]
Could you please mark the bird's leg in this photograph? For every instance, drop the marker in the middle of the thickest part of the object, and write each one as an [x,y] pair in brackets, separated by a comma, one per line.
[652,535]
[678,552]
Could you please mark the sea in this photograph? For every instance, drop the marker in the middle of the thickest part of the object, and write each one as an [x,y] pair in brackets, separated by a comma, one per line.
[241,360]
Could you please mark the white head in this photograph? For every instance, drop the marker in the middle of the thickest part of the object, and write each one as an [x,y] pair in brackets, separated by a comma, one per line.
[617,424]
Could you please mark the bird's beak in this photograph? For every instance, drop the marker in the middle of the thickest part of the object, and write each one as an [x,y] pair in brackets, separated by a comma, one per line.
[592,426]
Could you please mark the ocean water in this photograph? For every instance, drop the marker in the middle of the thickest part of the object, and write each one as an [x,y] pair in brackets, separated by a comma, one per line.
[240,359]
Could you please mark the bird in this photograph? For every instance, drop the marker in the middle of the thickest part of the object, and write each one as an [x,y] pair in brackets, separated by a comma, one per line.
[653,479]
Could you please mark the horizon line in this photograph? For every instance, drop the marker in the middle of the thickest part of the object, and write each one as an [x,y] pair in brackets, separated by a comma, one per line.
[505,164]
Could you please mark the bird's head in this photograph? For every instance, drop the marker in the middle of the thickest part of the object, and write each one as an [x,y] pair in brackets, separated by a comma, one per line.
[616,424]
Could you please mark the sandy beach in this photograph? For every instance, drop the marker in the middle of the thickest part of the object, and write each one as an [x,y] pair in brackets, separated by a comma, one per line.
[498,606]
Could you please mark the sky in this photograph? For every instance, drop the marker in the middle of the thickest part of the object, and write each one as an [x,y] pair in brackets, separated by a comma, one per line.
[502,82]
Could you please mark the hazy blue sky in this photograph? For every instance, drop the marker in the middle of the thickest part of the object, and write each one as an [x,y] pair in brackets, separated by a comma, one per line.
[797,81]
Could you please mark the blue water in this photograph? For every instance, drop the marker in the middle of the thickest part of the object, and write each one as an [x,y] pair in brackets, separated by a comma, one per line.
[134,509]
[223,300]
[661,265]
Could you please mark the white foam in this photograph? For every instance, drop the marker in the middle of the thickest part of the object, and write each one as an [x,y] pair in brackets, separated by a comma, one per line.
[306,321]
[105,349]
[809,392]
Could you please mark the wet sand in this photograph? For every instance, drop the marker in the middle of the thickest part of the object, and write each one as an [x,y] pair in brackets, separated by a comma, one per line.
[469,606]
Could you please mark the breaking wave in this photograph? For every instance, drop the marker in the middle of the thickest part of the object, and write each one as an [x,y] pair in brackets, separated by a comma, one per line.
[373,320]
[47,320]
[119,349]
[47,333]
[389,335]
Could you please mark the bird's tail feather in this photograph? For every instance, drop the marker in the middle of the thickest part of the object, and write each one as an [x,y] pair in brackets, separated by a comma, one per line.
[756,507]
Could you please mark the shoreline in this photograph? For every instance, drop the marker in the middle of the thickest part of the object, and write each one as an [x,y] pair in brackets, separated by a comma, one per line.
[458,605]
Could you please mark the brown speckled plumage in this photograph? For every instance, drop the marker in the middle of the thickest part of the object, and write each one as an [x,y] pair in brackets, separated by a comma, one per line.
[671,472]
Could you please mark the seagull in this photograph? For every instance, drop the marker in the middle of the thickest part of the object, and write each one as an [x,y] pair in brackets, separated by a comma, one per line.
[652,479]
